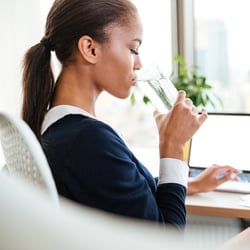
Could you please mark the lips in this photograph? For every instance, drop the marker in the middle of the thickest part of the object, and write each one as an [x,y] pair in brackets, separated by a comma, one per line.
[134,81]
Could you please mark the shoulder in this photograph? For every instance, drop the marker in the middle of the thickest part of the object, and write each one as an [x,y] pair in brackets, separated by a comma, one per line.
[82,131]
[95,130]
[77,125]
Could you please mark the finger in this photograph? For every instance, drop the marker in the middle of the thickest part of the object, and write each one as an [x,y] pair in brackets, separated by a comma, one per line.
[222,169]
[227,168]
[157,113]
[235,170]
[234,176]
[189,102]
[181,95]
[223,179]
[194,110]
[203,116]
[227,172]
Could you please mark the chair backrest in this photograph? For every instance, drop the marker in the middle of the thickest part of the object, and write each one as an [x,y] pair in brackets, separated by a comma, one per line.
[24,155]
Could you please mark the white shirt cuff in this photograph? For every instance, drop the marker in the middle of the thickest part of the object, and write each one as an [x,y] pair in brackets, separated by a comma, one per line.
[173,171]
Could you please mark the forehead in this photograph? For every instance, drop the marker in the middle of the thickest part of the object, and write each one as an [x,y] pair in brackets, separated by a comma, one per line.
[130,30]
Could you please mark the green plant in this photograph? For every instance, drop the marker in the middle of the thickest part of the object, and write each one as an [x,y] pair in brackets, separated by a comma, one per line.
[195,85]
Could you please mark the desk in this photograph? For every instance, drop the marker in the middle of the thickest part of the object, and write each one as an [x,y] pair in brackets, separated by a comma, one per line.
[217,215]
[216,203]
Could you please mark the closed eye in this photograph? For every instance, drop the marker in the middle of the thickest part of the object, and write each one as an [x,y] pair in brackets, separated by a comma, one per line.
[134,52]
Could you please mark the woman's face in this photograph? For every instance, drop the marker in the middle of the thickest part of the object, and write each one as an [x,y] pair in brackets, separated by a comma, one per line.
[115,69]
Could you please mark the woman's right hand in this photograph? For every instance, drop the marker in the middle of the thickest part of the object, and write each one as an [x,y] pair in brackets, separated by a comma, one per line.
[178,126]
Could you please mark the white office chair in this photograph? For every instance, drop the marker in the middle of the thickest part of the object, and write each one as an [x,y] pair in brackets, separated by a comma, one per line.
[24,155]
[81,227]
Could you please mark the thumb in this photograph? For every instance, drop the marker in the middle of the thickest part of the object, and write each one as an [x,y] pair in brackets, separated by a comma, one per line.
[156,113]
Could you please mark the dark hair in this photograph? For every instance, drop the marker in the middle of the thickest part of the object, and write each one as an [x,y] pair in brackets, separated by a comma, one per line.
[67,21]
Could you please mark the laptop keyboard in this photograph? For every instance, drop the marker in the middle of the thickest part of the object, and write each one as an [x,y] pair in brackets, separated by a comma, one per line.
[194,172]
[244,177]
[235,187]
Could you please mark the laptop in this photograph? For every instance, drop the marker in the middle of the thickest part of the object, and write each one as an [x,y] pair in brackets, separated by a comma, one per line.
[223,139]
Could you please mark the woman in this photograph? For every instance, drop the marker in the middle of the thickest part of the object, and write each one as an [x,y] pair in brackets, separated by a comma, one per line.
[97,43]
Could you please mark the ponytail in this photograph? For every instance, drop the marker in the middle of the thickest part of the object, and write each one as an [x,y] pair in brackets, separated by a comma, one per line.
[38,85]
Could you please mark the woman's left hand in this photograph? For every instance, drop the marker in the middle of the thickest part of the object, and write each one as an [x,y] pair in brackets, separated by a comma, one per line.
[212,177]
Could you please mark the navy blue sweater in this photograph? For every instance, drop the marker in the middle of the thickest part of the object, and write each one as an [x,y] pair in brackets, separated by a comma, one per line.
[92,165]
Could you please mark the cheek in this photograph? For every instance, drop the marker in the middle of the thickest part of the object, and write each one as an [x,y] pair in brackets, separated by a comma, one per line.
[123,61]
[118,67]
[117,82]
[124,67]
[115,70]
[119,56]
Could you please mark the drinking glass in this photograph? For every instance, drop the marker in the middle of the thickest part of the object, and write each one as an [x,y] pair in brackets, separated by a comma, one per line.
[157,87]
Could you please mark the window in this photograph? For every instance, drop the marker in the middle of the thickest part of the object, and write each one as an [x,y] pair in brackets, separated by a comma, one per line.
[157,41]
[221,49]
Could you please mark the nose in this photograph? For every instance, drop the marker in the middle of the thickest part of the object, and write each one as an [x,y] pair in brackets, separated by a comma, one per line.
[138,63]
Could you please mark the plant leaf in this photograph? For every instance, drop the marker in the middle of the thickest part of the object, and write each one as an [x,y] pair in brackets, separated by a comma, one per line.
[145,99]
[132,98]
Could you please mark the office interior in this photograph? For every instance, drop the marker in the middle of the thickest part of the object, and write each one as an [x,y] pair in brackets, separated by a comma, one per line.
[210,34]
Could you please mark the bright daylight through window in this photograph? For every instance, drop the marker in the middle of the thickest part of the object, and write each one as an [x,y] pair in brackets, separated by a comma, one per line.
[222,49]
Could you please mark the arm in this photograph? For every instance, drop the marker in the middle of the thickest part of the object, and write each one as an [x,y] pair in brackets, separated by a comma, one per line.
[208,180]
[176,128]
[109,177]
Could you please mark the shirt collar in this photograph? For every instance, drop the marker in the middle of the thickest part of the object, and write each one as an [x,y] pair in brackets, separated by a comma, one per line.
[58,112]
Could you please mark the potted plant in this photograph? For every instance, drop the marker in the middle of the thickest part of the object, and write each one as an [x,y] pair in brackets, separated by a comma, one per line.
[196,86]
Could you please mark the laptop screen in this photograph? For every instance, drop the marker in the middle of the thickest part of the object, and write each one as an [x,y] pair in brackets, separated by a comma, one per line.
[224,139]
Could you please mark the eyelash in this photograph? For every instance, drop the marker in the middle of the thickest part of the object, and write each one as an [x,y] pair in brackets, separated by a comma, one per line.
[134,51]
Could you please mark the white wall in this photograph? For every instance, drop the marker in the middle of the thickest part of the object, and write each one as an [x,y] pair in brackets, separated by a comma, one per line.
[21,27]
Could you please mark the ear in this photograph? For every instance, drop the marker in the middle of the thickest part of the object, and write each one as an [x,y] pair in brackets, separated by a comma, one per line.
[88,49]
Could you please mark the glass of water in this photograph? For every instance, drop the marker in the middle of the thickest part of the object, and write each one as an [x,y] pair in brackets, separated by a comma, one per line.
[157,87]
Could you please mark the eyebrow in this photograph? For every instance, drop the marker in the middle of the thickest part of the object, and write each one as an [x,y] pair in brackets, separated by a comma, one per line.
[137,40]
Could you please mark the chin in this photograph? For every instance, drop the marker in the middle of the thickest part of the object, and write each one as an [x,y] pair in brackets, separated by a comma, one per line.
[123,95]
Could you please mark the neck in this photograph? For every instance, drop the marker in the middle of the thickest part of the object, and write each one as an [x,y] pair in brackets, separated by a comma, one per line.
[76,90]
